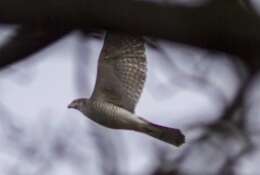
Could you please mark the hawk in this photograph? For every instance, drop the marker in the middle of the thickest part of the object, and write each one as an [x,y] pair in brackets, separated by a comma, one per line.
[120,80]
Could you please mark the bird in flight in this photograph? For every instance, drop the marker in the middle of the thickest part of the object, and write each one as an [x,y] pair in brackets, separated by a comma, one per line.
[120,80]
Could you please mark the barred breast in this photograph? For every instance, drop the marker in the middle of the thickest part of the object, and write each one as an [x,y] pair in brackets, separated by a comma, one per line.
[112,116]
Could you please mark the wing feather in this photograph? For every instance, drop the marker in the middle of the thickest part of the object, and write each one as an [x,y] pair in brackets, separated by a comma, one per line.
[121,70]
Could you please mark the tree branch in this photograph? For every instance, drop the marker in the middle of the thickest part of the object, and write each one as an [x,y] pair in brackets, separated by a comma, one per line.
[26,41]
[217,25]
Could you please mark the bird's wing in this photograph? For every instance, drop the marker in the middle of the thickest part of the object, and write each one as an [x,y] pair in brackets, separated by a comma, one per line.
[121,70]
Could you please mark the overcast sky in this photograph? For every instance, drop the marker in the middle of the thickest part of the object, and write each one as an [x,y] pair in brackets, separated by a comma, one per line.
[37,91]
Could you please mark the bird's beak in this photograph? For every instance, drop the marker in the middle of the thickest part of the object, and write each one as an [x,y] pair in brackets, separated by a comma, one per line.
[71,105]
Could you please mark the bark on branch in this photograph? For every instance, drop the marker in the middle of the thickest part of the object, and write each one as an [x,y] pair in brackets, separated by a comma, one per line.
[217,25]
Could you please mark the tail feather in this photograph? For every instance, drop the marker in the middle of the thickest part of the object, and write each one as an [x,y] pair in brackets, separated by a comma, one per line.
[170,135]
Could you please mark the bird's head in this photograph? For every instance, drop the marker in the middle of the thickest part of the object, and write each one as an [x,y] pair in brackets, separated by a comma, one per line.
[79,104]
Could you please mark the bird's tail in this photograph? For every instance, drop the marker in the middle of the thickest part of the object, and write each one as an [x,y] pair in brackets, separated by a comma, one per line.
[170,135]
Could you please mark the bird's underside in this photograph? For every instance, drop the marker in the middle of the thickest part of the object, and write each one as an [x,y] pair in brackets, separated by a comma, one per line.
[120,80]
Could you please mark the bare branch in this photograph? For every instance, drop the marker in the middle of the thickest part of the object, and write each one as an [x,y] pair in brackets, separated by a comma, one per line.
[218,25]
[26,41]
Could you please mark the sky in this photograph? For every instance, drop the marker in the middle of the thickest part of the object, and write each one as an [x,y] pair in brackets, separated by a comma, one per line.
[37,91]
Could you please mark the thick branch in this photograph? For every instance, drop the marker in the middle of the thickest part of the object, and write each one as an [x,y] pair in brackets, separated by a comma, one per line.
[219,25]
[26,41]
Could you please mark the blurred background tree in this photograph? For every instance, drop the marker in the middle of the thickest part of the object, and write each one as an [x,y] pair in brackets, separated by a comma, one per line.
[203,63]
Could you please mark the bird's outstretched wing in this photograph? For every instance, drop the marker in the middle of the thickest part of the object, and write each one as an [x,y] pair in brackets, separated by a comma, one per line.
[121,70]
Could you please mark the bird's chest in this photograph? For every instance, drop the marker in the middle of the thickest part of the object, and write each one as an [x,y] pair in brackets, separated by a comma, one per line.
[106,114]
